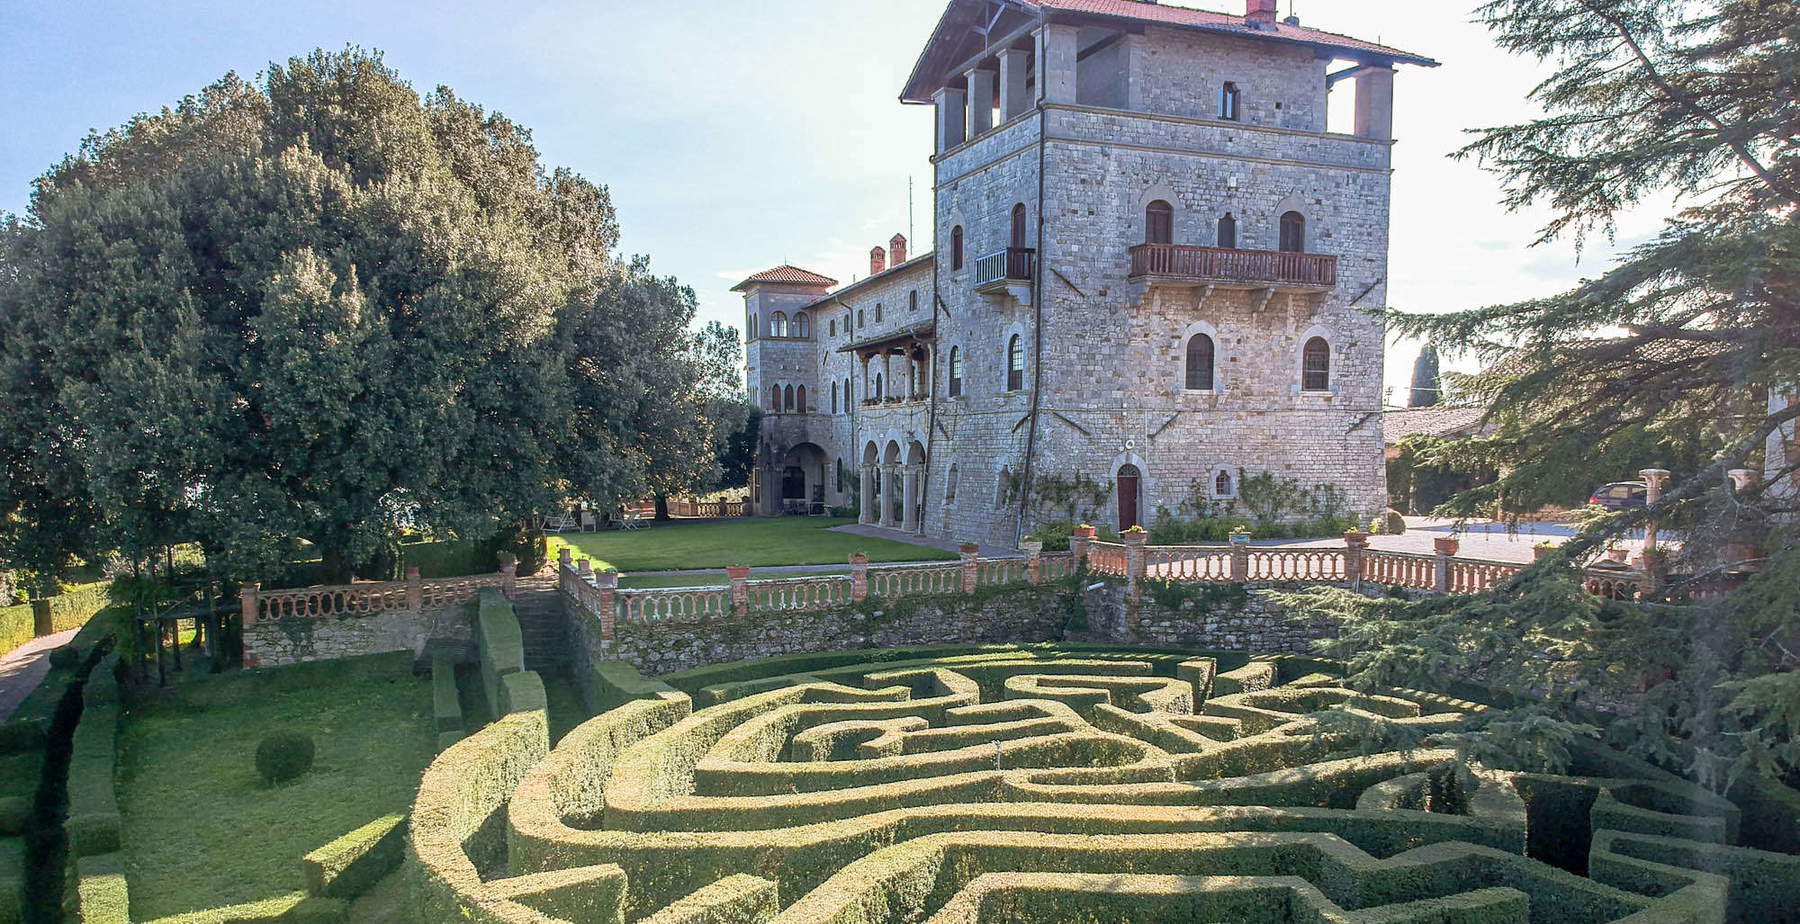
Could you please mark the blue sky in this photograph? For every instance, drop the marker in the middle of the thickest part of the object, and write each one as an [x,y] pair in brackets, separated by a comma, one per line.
[735,136]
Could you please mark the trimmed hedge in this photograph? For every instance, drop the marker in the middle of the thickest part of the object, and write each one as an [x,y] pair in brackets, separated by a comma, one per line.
[352,864]
[93,819]
[736,899]
[12,879]
[70,609]
[100,894]
[498,641]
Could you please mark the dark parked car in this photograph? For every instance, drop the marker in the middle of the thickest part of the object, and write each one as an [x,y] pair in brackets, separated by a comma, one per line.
[1621,495]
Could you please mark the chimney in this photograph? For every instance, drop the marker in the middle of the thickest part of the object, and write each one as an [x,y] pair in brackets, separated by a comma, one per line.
[1260,14]
[877,261]
[897,248]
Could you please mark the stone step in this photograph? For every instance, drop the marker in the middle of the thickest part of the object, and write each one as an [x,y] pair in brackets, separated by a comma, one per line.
[543,628]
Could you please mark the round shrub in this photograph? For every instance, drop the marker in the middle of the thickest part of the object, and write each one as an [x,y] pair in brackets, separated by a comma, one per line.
[283,756]
[1392,523]
[64,657]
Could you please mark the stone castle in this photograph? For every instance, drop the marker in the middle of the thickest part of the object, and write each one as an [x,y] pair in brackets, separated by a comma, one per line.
[1151,261]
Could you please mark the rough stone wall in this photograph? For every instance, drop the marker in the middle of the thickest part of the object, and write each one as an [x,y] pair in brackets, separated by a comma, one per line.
[1233,617]
[1181,72]
[296,640]
[1034,614]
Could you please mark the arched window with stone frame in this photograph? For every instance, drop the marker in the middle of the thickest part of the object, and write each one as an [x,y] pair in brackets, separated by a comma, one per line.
[1223,484]
[956,372]
[1015,363]
[834,397]
[912,301]
[802,324]
[1159,223]
[950,484]
[1293,233]
[778,324]
[956,248]
[1201,352]
[800,399]
[1227,236]
[787,398]
[1229,99]
[775,398]
[1315,365]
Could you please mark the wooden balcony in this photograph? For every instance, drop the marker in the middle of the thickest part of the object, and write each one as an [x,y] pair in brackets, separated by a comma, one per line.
[997,271]
[1227,268]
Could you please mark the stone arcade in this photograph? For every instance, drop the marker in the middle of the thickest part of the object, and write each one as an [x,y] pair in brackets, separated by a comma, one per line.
[1152,256]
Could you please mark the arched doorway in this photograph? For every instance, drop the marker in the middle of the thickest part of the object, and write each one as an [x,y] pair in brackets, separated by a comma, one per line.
[1129,482]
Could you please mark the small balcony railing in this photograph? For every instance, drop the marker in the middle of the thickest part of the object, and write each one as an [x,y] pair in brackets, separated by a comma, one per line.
[1259,269]
[1002,267]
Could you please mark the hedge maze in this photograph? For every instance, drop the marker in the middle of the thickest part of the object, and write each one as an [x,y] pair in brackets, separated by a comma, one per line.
[1051,784]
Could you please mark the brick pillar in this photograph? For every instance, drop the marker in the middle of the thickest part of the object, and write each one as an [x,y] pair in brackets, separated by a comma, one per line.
[739,575]
[1240,557]
[585,568]
[41,620]
[859,578]
[1446,547]
[1034,560]
[971,553]
[247,602]
[608,583]
[1078,544]
[1656,572]
[509,579]
[563,559]
[1653,488]
[1354,544]
[1134,540]
[415,593]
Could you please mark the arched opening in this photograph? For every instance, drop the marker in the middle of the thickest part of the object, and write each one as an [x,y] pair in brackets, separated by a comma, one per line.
[1129,484]
[1018,225]
[774,397]
[1159,223]
[800,399]
[849,399]
[912,301]
[1015,363]
[1293,232]
[787,398]
[1228,101]
[778,324]
[878,312]
[802,325]
[834,397]
[1315,366]
[1228,231]
[1200,363]
[950,484]
[1222,486]
[803,476]
[956,248]
[956,372]
[880,392]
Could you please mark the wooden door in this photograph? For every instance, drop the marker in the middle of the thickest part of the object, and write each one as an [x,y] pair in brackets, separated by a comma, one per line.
[1128,497]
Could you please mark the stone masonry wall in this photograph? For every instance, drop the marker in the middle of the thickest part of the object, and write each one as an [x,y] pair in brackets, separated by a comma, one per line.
[1231,617]
[298,639]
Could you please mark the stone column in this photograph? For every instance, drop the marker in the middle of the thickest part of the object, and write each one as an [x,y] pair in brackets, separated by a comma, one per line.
[1240,557]
[1034,560]
[415,594]
[971,554]
[563,559]
[1134,540]
[952,121]
[891,490]
[868,513]
[909,515]
[1079,538]
[739,576]
[1375,102]
[1057,48]
[1014,99]
[981,101]
[508,579]
[608,584]
[859,577]
[1354,543]
[585,570]
[1654,478]
[1446,547]
[247,602]
[887,374]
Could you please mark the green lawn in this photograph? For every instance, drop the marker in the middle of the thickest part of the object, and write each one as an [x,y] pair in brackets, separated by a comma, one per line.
[202,831]
[759,543]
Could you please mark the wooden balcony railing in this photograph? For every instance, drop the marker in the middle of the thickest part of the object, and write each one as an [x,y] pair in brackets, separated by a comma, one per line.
[1002,266]
[1227,266]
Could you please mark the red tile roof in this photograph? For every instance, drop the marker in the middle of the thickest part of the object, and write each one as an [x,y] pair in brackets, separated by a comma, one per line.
[787,275]
[1142,11]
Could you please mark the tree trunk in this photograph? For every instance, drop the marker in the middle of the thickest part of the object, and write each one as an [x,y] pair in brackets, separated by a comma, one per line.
[662,506]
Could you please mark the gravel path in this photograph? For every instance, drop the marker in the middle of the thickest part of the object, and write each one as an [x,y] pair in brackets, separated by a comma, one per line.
[24,667]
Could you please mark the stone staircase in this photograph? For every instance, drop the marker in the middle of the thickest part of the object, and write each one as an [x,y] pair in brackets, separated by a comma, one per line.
[542,623]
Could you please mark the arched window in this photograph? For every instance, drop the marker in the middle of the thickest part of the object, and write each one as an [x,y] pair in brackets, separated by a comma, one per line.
[878,312]
[1222,484]
[950,484]
[956,247]
[1228,101]
[849,399]
[860,318]
[1315,366]
[787,398]
[778,326]
[1015,364]
[1200,363]
[912,300]
[774,397]
[754,330]
[956,375]
[846,323]
[1018,225]
[800,399]
[1293,232]
[802,325]
[834,404]
[879,391]
[834,327]
[1159,223]
[1228,231]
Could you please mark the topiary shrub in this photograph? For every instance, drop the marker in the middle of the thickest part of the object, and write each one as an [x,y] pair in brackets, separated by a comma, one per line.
[1392,523]
[284,756]
[64,657]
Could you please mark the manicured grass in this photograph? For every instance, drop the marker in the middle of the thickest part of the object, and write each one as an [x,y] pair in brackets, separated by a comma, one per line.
[649,581]
[759,543]
[202,831]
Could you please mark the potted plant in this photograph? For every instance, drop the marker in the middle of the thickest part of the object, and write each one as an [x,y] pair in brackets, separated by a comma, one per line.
[1446,545]
[1240,536]
[970,547]
[1542,550]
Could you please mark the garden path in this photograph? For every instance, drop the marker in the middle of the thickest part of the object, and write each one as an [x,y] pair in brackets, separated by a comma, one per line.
[24,667]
